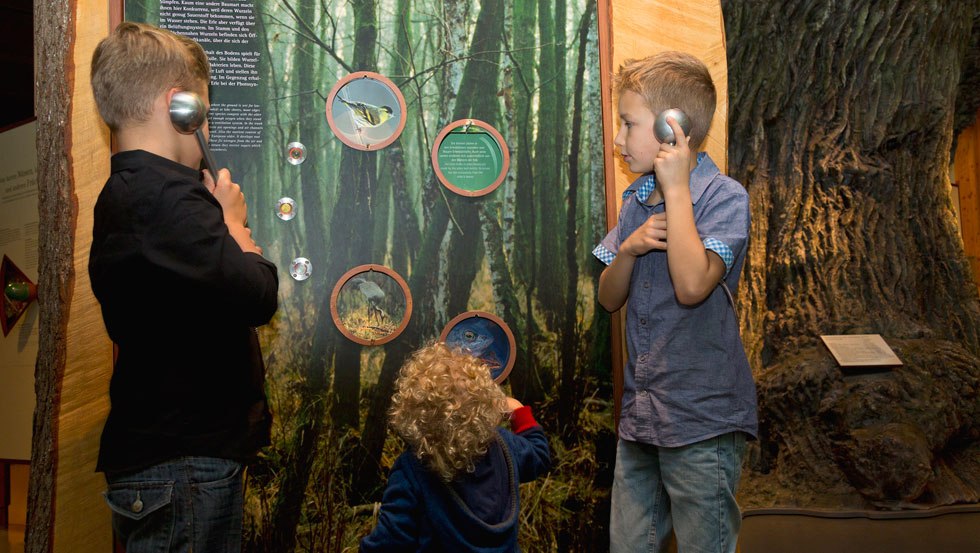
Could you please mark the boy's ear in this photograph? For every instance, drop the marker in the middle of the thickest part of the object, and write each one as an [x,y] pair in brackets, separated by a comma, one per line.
[170,94]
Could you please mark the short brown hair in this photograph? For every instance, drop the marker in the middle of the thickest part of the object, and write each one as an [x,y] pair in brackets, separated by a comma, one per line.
[138,62]
[447,408]
[673,80]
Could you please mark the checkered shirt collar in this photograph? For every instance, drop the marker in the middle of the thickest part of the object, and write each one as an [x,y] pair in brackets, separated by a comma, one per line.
[645,185]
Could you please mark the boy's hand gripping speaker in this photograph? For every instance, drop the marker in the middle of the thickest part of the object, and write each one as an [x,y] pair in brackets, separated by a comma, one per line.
[663,131]
[187,113]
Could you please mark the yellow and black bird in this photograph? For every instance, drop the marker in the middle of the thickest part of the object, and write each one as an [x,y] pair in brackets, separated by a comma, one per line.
[367,115]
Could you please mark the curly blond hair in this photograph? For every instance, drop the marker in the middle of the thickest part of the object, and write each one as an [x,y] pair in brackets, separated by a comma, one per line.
[447,408]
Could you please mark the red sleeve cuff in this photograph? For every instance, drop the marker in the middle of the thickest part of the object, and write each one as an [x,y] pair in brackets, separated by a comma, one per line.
[521,419]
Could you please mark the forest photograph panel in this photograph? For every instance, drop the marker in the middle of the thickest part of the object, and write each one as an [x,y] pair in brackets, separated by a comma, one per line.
[528,69]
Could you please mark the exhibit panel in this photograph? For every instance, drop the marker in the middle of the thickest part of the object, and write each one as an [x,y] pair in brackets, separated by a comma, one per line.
[322,208]
[406,166]
[18,289]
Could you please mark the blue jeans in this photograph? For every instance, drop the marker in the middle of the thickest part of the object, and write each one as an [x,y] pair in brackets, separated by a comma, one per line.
[189,504]
[688,489]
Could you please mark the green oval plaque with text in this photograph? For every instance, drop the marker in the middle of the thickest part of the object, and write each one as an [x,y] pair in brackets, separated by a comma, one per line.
[470,160]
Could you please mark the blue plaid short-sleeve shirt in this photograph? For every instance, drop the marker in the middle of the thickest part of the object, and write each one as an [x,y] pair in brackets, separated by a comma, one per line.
[687,378]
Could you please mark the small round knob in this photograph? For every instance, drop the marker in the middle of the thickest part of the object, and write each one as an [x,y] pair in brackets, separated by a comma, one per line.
[18,291]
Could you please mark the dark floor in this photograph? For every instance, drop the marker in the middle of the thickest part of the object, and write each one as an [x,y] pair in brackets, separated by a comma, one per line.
[946,530]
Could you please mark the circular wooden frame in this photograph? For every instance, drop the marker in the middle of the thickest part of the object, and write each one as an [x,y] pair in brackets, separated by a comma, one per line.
[505,154]
[360,269]
[395,91]
[512,355]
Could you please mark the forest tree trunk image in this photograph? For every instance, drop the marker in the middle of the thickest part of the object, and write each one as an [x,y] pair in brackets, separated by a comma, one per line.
[841,128]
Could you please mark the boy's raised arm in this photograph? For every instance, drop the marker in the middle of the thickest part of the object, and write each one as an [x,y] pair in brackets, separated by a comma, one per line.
[693,271]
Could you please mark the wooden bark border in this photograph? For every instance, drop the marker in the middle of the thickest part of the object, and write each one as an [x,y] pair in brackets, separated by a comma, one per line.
[53,42]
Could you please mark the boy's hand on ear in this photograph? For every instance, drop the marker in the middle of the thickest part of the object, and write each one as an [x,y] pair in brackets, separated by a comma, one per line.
[513,404]
[232,201]
[229,195]
[673,162]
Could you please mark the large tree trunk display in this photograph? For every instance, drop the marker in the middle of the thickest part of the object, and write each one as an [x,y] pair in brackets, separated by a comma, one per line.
[841,129]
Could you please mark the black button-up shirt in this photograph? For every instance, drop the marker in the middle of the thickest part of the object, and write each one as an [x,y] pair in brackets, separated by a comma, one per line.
[179,297]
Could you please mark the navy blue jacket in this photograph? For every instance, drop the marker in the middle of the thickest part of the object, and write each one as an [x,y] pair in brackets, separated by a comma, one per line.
[476,512]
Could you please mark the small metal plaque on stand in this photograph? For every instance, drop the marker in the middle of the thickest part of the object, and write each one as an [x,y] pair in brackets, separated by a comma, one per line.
[861,351]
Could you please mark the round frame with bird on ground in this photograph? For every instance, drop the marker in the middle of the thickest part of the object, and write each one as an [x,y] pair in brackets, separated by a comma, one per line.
[486,336]
[366,110]
[371,304]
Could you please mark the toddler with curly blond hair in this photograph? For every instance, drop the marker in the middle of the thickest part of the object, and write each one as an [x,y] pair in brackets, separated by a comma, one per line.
[456,486]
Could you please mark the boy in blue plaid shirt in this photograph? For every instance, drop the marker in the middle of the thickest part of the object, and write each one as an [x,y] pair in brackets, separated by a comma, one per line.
[674,258]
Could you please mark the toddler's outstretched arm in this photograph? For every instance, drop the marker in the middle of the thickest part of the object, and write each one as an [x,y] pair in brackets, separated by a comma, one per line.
[530,446]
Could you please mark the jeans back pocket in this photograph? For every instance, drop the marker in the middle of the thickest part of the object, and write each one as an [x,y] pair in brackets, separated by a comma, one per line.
[143,514]
[136,501]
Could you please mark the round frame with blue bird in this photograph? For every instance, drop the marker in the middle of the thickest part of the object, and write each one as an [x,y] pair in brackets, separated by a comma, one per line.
[371,304]
[486,336]
[366,111]
[470,157]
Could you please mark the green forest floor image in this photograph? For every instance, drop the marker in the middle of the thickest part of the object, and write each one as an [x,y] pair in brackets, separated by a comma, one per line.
[566,505]
[564,510]
[366,327]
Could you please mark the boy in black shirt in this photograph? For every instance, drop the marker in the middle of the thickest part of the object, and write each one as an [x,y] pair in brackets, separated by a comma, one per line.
[181,284]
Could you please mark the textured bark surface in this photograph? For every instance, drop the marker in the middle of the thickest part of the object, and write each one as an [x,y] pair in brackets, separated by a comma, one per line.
[53,27]
[841,128]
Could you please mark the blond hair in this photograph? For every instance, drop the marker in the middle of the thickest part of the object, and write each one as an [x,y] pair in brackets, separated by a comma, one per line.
[672,80]
[138,62]
[447,408]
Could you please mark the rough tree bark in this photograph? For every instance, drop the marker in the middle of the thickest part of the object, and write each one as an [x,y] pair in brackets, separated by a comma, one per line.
[841,128]
[53,40]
